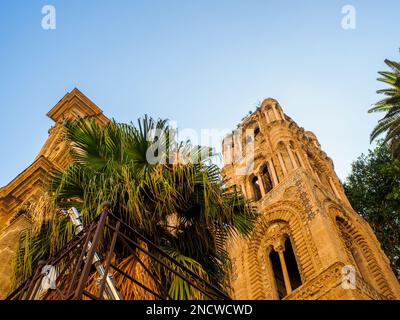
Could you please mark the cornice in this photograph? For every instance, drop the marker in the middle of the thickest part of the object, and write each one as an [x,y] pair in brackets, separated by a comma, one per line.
[75,104]
[29,182]
[41,163]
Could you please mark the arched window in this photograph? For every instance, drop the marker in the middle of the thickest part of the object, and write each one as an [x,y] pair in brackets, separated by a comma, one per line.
[273,167]
[256,188]
[286,274]
[354,251]
[270,114]
[297,159]
[287,163]
[319,171]
[278,275]
[256,131]
[291,264]
[295,154]
[266,178]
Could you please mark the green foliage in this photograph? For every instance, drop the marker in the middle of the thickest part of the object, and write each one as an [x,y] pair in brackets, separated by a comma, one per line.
[390,123]
[373,188]
[180,289]
[183,206]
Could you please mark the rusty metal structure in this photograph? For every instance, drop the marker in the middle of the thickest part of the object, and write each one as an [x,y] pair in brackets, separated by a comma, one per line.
[74,267]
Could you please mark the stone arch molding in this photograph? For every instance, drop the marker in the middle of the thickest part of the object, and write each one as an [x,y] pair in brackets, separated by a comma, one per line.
[362,236]
[288,216]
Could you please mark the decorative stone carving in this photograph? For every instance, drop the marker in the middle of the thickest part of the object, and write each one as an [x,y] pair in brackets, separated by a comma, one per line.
[301,201]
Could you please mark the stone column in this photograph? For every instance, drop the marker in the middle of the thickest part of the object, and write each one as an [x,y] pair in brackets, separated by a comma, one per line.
[244,189]
[312,170]
[334,188]
[317,176]
[271,169]
[275,112]
[282,163]
[282,114]
[291,156]
[267,116]
[261,185]
[284,270]
[300,159]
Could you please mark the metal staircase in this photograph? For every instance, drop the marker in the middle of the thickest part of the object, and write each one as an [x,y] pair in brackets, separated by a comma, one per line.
[78,272]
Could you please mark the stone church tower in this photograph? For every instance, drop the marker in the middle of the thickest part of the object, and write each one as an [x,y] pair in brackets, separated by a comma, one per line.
[308,243]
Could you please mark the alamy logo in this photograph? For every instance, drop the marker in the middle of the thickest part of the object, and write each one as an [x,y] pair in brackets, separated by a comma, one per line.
[239,150]
[349,277]
[349,19]
[49,19]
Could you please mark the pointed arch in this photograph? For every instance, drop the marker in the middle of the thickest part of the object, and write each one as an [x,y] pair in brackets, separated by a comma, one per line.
[266,177]
[255,187]
[261,281]
[361,248]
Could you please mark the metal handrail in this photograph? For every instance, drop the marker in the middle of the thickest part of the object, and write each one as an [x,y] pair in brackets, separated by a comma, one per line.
[91,236]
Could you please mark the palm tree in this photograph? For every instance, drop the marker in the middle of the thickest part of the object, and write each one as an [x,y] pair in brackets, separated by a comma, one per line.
[181,206]
[390,123]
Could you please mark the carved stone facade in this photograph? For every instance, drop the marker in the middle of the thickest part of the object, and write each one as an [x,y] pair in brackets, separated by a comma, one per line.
[307,234]
[303,209]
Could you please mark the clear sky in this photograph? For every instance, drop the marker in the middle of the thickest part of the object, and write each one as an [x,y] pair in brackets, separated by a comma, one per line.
[203,63]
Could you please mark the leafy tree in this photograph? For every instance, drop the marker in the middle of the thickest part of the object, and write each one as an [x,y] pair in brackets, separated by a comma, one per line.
[182,207]
[373,188]
[390,123]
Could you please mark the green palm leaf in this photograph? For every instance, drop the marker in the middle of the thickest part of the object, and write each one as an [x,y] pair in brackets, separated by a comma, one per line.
[182,205]
[390,105]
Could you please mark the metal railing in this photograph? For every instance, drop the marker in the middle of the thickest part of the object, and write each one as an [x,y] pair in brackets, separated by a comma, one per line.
[78,272]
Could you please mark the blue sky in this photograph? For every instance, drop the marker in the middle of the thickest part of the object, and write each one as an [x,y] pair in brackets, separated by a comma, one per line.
[203,63]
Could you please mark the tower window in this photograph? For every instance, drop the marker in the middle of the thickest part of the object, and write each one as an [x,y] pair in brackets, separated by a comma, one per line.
[266,177]
[291,264]
[285,270]
[256,188]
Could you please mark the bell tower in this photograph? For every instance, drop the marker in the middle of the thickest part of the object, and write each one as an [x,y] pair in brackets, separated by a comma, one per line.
[309,243]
